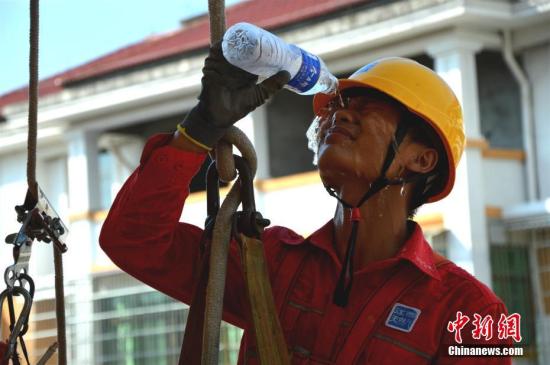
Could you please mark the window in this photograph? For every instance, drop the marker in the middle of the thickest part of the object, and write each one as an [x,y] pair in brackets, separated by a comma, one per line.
[512,283]
[136,325]
[543,261]
[499,101]
[439,241]
[288,118]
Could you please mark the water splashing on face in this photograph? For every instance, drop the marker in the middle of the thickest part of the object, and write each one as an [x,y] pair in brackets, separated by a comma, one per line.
[312,135]
[340,99]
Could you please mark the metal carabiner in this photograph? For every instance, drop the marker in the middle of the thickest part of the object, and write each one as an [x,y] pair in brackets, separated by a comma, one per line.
[21,325]
[20,267]
[248,221]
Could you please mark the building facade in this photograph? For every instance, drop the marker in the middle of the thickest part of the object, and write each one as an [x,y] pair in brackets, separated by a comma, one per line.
[94,120]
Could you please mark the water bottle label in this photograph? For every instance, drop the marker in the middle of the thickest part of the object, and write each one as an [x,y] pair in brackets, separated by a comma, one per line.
[308,74]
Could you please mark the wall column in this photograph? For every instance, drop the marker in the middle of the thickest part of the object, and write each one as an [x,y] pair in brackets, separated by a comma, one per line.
[536,61]
[261,141]
[83,188]
[454,61]
[254,125]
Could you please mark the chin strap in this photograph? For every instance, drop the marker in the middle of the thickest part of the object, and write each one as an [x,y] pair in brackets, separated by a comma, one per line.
[345,280]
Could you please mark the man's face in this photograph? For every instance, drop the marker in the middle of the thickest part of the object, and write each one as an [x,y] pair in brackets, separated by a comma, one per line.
[353,138]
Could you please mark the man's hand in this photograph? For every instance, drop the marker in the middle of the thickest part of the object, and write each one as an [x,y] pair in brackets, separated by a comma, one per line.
[228,94]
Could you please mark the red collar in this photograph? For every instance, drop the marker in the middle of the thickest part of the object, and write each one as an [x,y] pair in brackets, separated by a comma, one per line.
[415,250]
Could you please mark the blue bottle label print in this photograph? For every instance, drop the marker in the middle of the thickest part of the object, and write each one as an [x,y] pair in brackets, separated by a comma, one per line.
[308,74]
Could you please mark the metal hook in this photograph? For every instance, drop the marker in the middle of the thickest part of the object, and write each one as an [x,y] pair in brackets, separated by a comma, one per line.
[249,222]
[21,325]
[21,256]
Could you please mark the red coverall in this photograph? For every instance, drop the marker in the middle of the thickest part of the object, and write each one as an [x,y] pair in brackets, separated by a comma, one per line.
[3,349]
[143,236]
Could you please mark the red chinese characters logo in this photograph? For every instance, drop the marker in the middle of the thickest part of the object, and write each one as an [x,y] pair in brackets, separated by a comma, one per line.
[507,326]
[483,327]
[457,325]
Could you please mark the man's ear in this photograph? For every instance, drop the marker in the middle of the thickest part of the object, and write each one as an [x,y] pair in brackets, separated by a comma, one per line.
[422,159]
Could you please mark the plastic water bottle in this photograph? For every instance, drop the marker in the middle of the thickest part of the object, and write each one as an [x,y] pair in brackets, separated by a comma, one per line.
[264,54]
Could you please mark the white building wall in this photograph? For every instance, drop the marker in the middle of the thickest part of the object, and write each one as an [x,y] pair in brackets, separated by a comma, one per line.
[537,64]
[536,61]
[503,182]
[13,187]
[303,209]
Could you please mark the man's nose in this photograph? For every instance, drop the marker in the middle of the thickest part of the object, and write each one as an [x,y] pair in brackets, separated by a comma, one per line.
[345,116]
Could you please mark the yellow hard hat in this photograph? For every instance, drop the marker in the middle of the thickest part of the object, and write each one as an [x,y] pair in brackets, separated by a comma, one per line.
[421,91]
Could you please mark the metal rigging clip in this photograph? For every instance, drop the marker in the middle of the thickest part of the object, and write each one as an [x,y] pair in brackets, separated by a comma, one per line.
[19,326]
[248,221]
[38,221]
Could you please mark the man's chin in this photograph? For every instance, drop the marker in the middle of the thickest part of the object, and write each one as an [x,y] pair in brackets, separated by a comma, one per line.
[333,166]
[332,155]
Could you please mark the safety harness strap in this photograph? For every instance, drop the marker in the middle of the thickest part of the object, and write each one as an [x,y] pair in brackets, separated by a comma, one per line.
[400,133]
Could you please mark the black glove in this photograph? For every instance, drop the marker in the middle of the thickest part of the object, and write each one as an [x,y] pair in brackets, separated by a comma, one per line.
[228,94]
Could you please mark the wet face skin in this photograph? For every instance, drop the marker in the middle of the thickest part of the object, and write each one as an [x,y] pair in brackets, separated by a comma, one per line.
[354,138]
[353,141]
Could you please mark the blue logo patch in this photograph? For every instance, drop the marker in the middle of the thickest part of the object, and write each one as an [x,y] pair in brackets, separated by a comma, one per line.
[402,317]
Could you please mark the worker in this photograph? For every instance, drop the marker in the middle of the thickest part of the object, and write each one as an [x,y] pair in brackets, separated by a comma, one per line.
[366,287]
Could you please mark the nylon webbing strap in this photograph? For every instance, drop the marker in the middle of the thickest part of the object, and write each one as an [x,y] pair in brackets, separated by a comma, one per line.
[375,311]
[192,339]
[270,341]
